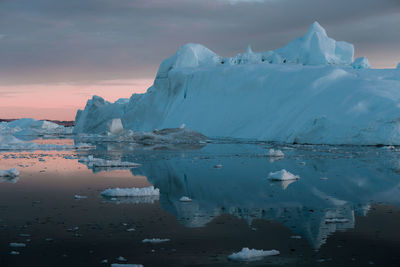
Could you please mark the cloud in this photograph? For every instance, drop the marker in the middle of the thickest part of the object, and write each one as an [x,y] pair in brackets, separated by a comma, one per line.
[84,41]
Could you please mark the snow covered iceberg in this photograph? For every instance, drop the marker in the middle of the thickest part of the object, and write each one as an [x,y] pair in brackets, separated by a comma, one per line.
[310,91]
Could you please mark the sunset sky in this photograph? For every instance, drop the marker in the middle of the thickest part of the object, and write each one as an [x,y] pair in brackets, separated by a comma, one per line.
[55,54]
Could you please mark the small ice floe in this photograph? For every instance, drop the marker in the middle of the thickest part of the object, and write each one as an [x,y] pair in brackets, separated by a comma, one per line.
[126,265]
[282,175]
[336,220]
[275,153]
[24,235]
[247,254]
[296,237]
[17,245]
[80,197]
[185,199]
[131,230]
[9,173]
[70,157]
[73,229]
[324,178]
[155,240]
[104,261]
[218,166]
[120,258]
[84,146]
[131,192]
[14,253]
[97,162]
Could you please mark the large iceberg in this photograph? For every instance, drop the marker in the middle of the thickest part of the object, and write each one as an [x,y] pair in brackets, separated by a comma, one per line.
[310,91]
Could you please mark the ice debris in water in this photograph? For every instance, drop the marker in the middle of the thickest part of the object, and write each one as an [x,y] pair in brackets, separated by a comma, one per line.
[218,166]
[126,265]
[275,153]
[185,199]
[282,175]
[247,254]
[14,253]
[155,240]
[9,173]
[80,197]
[17,245]
[131,192]
[97,162]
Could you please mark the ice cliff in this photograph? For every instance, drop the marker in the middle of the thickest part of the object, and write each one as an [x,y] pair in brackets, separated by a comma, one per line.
[310,91]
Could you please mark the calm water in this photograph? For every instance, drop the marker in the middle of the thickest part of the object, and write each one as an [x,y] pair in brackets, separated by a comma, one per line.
[233,207]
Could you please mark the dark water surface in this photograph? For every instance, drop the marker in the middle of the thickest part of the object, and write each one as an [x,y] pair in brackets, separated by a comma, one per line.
[233,207]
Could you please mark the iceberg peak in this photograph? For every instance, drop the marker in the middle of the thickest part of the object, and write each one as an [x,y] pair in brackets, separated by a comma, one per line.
[316,28]
[249,50]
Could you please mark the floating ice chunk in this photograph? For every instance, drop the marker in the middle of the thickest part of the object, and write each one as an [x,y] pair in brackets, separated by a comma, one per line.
[336,220]
[126,265]
[185,199]
[131,230]
[218,166]
[296,237]
[361,63]
[247,254]
[97,162]
[9,173]
[131,192]
[17,245]
[14,253]
[275,153]
[120,258]
[282,175]
[155,240]
[80,197]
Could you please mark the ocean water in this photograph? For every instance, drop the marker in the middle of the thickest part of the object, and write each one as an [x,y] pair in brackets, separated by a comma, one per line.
[343,211]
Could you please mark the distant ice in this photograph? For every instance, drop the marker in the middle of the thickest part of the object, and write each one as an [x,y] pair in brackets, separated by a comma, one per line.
[247,254]
[282,175]
[131,192]
[155,240]
[11,173]
[97,162]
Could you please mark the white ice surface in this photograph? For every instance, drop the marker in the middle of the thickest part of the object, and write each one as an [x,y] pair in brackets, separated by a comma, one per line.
[247,254]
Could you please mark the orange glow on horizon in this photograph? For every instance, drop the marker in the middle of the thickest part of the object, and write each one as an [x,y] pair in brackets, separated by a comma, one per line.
[61,101]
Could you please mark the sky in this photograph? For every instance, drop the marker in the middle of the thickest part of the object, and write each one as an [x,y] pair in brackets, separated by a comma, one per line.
[55,54]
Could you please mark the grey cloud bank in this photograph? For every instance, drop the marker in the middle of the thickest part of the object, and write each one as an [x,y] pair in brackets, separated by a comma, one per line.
[48,41]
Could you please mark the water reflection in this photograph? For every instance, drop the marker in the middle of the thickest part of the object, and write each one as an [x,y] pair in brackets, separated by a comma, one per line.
[335,183]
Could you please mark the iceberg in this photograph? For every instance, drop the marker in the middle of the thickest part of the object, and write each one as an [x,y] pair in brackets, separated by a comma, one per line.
[308,92]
